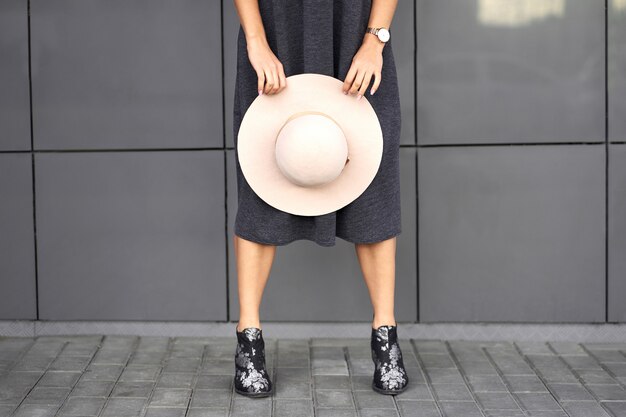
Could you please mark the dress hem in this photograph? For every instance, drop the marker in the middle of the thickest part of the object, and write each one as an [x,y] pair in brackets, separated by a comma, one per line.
[323,244]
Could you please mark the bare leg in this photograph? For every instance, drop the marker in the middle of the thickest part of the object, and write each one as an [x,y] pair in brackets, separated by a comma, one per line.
[254,263]
[378,264]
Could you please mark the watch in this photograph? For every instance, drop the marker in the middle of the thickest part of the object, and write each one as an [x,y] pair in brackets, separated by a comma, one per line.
[382,33]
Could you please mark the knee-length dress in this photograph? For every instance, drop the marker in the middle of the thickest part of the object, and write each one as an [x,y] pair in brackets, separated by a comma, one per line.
[322,36]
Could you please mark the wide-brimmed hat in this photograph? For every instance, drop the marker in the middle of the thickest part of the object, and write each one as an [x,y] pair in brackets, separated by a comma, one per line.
[310,149]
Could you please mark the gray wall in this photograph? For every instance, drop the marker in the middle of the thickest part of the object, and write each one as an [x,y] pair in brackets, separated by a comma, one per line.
[117,170]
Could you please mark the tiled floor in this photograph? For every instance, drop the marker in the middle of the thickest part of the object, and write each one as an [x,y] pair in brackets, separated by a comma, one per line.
[118,376]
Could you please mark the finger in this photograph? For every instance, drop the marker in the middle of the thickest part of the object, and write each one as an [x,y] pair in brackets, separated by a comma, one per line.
[349,79]
[276,80]
[376,83]
[358,80]
[281,77]
[366,82]
[269,81]
[260,82]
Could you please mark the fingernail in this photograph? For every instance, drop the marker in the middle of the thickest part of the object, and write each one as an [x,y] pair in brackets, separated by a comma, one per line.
[345,92]
[359,97]
[372,93]
[260,92]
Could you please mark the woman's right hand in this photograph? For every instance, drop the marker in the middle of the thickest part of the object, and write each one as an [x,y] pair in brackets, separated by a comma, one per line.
[270,72]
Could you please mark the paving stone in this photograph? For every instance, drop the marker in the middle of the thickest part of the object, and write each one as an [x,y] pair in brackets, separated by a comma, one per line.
[415,374]
[208,412]
[460,409]
[334,398]
[378,412]
[35,410]
[567,348]
[212,398]
[330,381]
[362,366]
[437,360]
[140,373]
[584,409]
[486,383]
[165,412]
[123,407]
[618,369]
[558,376]
[295,389]
[47,396]
[82,406]
[372,399]
[102,372]
[496,400]
[192,364]
[618,408]
[214,381]
[362,382]
[445,375]
[527,347]
[596,377]
[293,408]
[137,389]
[570,392]
[176,380]
[504,413]
[525,383]
[335,412]
[609,355]
[170,397]
[537,401]
[430,346]
[111,357]
[479,368]
[579,362]
[86,388]
[70,363]
[458,392]
[608,392]
[6,410]
[148,358]
[59,379]
[293,360]
[252,407]
[410,408]
[12,394]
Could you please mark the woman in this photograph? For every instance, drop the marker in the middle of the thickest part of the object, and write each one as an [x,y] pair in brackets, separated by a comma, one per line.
[279,38]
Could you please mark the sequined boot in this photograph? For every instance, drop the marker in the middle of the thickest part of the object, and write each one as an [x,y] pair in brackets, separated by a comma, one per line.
[251,377]
[390,377]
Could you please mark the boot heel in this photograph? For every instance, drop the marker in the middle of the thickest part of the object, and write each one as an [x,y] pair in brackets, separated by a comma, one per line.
[251,377]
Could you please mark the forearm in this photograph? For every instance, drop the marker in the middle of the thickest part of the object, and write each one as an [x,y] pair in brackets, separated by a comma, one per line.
[381,15]
[250,19]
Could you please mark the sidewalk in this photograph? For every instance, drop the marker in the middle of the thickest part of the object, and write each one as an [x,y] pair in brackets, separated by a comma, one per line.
[118,376]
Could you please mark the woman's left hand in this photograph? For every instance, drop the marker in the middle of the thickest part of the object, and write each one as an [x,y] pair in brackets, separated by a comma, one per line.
[367,62]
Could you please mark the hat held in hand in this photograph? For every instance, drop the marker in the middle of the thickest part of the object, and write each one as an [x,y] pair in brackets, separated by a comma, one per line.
[310,149]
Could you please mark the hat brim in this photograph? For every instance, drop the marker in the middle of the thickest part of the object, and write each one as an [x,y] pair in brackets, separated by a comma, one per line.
[264,118]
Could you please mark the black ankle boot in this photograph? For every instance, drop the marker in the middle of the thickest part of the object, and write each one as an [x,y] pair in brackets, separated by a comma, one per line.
[390,377]
[251,377]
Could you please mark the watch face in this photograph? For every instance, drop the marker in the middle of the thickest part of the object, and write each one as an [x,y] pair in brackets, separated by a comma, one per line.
[383,34]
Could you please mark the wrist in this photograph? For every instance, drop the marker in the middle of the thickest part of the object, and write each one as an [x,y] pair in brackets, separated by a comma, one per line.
[372,40]
[256,38]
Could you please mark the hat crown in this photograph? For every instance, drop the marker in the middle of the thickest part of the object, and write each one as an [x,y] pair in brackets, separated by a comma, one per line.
[311,149]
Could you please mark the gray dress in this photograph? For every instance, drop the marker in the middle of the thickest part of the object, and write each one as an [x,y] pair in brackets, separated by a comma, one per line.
[322,36]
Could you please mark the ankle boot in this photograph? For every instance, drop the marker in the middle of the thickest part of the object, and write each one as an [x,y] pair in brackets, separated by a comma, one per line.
[251,377]
[390,377]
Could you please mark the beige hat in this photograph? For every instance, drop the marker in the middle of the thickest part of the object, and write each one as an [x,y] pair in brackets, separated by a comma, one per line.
[310,149]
